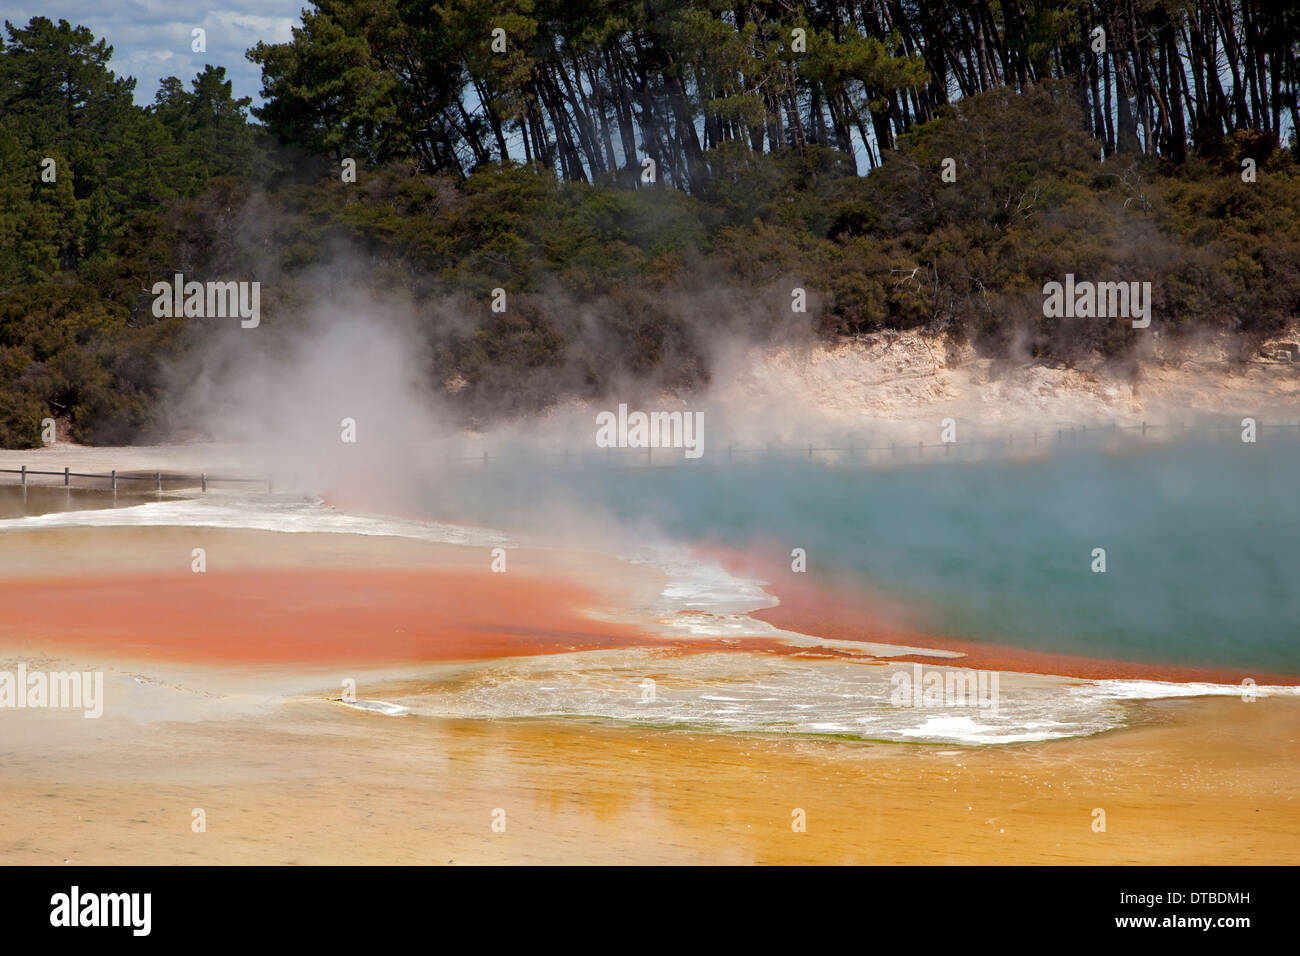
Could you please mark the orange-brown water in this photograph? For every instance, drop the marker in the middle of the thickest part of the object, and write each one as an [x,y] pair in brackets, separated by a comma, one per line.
[303,780]
[318,615]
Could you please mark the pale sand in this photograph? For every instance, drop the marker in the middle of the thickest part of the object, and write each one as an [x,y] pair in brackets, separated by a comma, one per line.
[286,778]
[900,386]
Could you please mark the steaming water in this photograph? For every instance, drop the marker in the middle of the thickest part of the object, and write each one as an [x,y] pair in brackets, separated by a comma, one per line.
[1200,544]
[1201,541]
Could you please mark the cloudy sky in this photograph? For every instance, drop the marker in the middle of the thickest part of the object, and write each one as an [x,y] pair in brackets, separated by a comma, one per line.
[151,39]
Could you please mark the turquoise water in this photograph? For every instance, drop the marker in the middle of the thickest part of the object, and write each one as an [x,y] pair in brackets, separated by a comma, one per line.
[1200,538]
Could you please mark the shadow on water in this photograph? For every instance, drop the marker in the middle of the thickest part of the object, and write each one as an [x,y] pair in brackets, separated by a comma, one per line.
[17,501]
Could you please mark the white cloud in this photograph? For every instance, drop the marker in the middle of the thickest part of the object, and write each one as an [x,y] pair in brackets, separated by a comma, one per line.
[151,38]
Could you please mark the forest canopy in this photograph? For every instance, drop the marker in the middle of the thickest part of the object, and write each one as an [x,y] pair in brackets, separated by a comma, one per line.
[641,178]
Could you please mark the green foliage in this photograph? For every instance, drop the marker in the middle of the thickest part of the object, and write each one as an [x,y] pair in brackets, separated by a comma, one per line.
[76,249]
[608,280]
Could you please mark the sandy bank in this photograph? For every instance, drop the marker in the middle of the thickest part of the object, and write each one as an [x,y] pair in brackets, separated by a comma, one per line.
[900,386]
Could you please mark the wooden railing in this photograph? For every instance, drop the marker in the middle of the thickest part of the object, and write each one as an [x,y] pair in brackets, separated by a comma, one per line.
[201,480]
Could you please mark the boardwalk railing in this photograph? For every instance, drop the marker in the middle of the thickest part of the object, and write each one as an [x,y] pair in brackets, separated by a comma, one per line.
[158,478]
